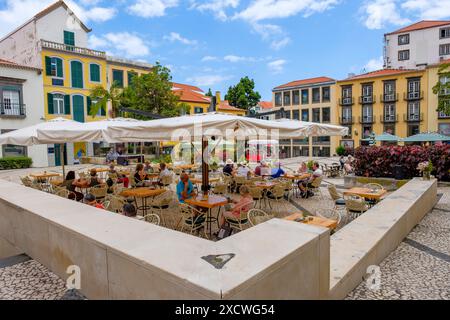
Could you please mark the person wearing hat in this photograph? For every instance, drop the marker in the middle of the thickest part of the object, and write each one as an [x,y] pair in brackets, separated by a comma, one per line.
[90,200]
[243,170]
[229,167]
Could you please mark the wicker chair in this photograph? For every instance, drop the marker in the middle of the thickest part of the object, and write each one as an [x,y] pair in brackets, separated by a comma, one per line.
[331,214]
[220,189]
[99,192]
[115,203]
[256,216]
[315,186]
[153,219]
[162,202]
[238,182]
[192,219]
[374,187]
[26,181]
[336,196]
[355,206]
[257,195]
[277,195]
[166,181]
[63,192]
[238,223]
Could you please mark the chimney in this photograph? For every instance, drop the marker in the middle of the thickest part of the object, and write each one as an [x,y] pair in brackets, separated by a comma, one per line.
[218,97]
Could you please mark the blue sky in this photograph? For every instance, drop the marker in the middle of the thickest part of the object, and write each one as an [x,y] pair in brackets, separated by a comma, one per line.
[212,43]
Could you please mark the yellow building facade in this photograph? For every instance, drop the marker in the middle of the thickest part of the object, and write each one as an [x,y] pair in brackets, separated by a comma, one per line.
[388,100]
[437,121]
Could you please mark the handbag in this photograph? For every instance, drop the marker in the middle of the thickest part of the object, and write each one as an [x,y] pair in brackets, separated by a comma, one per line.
[224,232]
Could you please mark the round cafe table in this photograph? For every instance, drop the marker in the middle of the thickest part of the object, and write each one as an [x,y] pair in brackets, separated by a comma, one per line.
[209,203]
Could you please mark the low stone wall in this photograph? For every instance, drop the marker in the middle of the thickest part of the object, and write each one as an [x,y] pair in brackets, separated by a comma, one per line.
[371,237]
[123,258]
[389,184]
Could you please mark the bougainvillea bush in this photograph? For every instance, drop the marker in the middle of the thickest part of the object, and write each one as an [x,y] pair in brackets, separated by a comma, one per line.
[380,161]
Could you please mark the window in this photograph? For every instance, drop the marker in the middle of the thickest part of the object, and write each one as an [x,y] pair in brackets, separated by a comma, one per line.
[444,33]
[389,91]
[367,113]
[321,140]
[305,96]
[76,68]
[414,89]
[198,110]
[389,112]
[444,49]
[58,104]
[326,114]
[403,55]
[94,72]
[54,67]
[90,102]
[445,80]
[69,38]
[367,90]
[389,128]
[347,115]
[326,96]
[305,115]
[10,150]
[130,76]
[316,115]
[296,114]
[366,131]
[444,128]
[296,97]
[287,98]
[414,111]
[278,101]
[403,39]
[316,95]
[118,77]
[413,129]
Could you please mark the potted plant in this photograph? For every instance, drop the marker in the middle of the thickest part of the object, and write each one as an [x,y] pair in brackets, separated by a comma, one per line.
[425,168]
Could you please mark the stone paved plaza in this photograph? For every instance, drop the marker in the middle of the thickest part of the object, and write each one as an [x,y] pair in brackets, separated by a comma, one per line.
[418,269]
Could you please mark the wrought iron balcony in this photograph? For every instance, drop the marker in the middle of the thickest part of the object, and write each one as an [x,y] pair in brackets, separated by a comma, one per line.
[410,96]
[413,117]
[389,118]
[393,97]
[346,120]
[367,99]
[12,110]
[72,49]
[347,101]
[367,119]
[443,115]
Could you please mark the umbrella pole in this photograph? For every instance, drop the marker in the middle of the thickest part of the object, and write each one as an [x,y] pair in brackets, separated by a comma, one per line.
[205,167]
[61,152]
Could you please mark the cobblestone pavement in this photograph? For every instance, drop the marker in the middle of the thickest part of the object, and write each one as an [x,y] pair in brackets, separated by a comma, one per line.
[420,267]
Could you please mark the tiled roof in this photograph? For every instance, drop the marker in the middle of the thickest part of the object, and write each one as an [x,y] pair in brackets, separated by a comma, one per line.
[224,105]
[266,104]
[188,93]
[7,63]
[380,73]
[181,86]
[424,24]
[305,82]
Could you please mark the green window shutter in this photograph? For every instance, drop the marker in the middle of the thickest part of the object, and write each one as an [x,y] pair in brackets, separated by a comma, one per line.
[95,72]
[59,68]
[69,38]
[67,104]
[77,74]
[131,75]
[50,103]
[118,77]
[88,104]
[48,66]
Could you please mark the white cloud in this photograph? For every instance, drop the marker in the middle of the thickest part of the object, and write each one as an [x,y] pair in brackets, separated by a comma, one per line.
[209,58]
[207,80]
[276,66]
[122,44]
[279,44]
[176,37]
[234,58]
[374,64]
[269,9]
[218,7]
[151,8]
[428,9]
[378,13]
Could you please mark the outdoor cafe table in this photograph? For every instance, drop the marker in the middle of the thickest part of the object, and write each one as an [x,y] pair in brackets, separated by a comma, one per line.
[265,184]
[210,203]
[144,194]
[298,177]
[366,193]
[199,180]
[44,175]
[313,220]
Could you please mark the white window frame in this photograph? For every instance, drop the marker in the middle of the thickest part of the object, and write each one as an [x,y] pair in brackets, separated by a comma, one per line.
[367,112]
[58,97]
[56,67]
[403,36]
[414,110]
[404,55]
[389,112]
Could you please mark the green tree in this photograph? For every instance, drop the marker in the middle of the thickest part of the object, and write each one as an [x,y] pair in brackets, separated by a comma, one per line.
[209,93]
[443,89]
[103,96]
[243,95]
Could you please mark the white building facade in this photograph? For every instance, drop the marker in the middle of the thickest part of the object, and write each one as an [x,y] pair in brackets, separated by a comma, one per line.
[21,105]
[418,45]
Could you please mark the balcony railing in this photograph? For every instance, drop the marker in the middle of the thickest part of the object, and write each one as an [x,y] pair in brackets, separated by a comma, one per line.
[72,49]
[393,97]
[346,120]
[367,119]
[416,95]
[413,117]
[12,110]
[443,115]
[366,99]
[389,118]
[347,101]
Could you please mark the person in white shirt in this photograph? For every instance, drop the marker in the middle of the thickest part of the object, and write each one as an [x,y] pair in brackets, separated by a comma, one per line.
[265,170]
[243,170]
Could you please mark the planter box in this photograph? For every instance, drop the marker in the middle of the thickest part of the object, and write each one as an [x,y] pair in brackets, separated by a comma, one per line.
[389,184]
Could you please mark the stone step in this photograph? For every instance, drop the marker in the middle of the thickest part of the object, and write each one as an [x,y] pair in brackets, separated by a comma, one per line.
[11,261]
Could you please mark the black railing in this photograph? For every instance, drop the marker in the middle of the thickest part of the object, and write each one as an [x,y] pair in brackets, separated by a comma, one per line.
[443,115]
[347,101]
[367,99]
[413,117]
[389,118]
[416,95]
[367,119]
[392,97]
[346,120]
[12,109]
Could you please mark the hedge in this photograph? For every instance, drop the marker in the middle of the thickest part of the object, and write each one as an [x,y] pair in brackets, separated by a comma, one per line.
[380,161]
[15,163]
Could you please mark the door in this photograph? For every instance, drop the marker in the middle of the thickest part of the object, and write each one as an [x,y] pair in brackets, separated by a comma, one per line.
[78,108]
[58,154]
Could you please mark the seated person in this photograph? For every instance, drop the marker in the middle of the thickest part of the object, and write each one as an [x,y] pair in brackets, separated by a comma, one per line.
[317,173]
[244,204]
[278,171]
[164,171]
[140,176]
[147,167]
[303,168]
[229,167]
[243,170]
[95,181]
[120,177]
[258,169]
[129,210]
[185,188]
[68,183]
[90,200]
[265,170]
[348,167]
